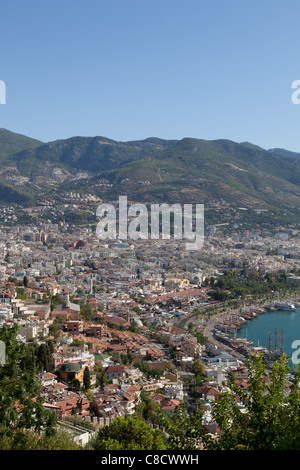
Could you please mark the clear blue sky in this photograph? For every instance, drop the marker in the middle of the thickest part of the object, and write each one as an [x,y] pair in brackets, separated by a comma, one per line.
[132,69]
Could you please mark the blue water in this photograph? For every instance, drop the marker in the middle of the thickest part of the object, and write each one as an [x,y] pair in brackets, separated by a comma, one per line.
[258,329]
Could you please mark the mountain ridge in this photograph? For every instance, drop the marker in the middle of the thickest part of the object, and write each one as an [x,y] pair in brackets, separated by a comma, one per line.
[152,169]
[11,142]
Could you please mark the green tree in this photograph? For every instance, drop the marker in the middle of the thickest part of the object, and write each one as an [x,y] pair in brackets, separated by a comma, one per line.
[21,293]
[185,432]
[198,367]
[20,440]
[44,357]
[199,380]
[148,410]
[86,379]
[272,418]
[25,281]
[50,346]
[28,361]
[101,379]
[56,328]
[21,406]
[128,433]
[86,311]
[75,384]
[56,299]
[133,328]
[269,418]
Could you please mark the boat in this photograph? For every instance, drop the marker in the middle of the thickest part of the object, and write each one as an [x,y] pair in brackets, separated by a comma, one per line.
[285,306]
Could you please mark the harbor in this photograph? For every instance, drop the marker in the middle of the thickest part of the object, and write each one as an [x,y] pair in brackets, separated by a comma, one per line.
[269,329]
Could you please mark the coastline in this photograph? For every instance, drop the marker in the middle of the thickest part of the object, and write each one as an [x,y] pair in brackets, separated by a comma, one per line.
[221,330]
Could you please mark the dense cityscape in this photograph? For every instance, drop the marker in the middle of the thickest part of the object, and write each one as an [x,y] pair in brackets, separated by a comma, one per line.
[111,326]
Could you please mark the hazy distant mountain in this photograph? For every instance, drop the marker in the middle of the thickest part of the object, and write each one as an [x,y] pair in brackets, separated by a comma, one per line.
[285,152]
[91,153]
[186,170]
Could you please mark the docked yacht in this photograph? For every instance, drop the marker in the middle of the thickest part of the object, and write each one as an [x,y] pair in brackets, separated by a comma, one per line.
[285,306]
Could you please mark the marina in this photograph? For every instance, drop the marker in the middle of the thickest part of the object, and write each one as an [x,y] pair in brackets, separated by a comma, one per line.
[270,330]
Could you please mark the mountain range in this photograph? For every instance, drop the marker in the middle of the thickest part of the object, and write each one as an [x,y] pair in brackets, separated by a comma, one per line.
[189,170]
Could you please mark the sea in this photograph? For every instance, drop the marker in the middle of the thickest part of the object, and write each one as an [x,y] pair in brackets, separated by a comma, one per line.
[278,329]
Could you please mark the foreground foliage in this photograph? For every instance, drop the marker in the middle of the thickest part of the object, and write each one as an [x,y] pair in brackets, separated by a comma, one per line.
[272,417]
[21,407]
[129,433]
[11,439]
[264,416]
